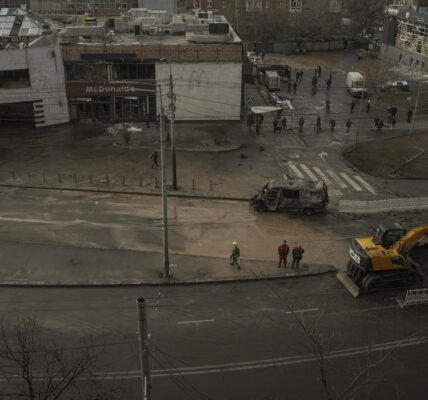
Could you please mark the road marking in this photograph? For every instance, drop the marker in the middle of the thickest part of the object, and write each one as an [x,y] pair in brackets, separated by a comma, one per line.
[302,311]
[335,192]
[339,181]
[201,321]
[296,171]
[365,184]
[312,177]
[257,364]
[322,175]
[351,182]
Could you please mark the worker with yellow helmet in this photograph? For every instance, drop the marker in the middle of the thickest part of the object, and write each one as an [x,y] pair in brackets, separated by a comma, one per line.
[236,255]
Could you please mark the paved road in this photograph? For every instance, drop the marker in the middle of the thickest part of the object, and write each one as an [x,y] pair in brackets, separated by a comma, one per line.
[241,341]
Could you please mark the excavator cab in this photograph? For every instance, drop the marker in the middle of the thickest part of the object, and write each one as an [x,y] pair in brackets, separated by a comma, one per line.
[386,234]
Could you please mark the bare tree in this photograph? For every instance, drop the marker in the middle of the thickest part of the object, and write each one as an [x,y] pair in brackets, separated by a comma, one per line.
[365,12]
[320,348]
[33,366]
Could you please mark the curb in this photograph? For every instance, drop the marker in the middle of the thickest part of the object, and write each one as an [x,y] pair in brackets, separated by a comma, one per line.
[133,192]
[183,149]
[95,284]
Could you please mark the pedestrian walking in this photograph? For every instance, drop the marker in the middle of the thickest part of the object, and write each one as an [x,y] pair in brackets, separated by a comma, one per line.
[393,111]
[297,254]
[275,125]
[301,75]
[289,86]
[319,71]
[294,87]
[328,84]
[259,118]
[284,124]
[393,122]
[297,76]
[301,123]
[332,125]
[352,106]
[348,125]
[147,118]
[283,251]
[235,257]
[369,104]
[376,121]
[155,157]
[250,121]
[318,124]
[380,126]
[316,71]
[409,115]
[327,105]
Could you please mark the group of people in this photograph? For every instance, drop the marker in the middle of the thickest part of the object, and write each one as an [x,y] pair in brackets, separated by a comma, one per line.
[283,250]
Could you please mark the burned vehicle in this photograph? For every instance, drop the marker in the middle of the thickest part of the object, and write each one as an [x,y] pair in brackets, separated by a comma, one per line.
[291,195]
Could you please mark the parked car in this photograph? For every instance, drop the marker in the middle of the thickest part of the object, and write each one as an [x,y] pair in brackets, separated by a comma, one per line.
[279,100]
[403,85]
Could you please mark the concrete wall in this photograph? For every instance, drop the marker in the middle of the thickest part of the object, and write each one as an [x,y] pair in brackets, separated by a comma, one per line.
[204,91]
[170,6]
[44,60]
[393,53]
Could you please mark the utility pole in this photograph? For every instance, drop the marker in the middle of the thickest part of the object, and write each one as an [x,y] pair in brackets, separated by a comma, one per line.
[171,95]
[416,104]
[166,273]
[144,349]
[359,113]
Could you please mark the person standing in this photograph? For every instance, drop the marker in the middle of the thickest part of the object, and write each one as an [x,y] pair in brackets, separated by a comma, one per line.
[352,106]
[294,87]
[235,257]
[319,71]
[332,125]
[376,121]
[275,125]
[155,157]
[316,71]
[297,254]
[380,126]
[348,125]
[328,84]
[409,115]
[318,124]
[393,121]
[301,75]
[283,251]
[297,76]
[284,124]
[369,103]
[327,105]
[301,123]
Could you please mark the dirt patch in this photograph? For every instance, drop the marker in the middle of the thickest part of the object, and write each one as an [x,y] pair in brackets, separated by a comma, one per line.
[382,157]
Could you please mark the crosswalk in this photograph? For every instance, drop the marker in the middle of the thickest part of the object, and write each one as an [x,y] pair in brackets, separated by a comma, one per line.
[340,180]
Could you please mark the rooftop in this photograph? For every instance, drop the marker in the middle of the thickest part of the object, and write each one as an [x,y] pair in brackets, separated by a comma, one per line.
[413,13]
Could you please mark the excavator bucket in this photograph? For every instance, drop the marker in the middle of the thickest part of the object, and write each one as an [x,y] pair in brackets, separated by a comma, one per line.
[348,283]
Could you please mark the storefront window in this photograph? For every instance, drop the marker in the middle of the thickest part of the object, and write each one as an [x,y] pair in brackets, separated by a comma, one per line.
[131,71]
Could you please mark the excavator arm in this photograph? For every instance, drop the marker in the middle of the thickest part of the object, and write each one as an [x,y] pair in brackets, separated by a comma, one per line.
[410,239]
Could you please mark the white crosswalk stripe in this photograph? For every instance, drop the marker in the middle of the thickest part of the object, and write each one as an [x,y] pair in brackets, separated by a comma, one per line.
[323,176]
[351,182]
[296,170]
[365,184]
[312,177]
[339,181]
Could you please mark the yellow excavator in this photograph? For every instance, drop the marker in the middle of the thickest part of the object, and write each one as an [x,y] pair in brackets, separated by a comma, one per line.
[384,259]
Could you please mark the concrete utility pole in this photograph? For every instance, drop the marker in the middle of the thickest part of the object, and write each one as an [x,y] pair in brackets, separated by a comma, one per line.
[416,104]
[144,349]
[166,273]
[359,113]
[172,107]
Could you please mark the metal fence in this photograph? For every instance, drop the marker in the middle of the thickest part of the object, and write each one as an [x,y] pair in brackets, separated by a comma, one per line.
[375,206]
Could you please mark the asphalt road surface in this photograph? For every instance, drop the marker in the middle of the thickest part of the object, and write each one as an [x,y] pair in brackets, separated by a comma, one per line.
[242,341]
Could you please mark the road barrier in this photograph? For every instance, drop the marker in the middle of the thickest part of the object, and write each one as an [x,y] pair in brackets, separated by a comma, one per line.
[414,296]
[375,206]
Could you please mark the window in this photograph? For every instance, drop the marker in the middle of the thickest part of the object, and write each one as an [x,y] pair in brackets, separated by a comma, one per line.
[295,5]
[15,79]
[253,5]
[290,194]
[267,3]
[224,4]
[281,4]
[130,71]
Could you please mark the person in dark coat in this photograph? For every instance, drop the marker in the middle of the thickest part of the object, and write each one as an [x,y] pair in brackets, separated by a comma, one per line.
[283,251]
[380,126]
[318,124]
[319,70]
[297,76]
[284,124]
[328,84]
[235,257]
[147,118]
[376,121]
[155,157]
[332,125]
[409,116]
[294,87]
[301,123]
[348,125]
[369,103]
[327,105]
[275,125]
[352,106]
[297,254]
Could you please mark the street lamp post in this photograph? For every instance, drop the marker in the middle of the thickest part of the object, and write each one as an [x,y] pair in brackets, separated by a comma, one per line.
[359,113]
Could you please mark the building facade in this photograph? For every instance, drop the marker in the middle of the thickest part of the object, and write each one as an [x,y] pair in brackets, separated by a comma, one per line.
[126,77]
[32,81]
[170,6]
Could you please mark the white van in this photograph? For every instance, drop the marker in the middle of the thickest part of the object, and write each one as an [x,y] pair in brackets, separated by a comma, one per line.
[355,84]
[272,80]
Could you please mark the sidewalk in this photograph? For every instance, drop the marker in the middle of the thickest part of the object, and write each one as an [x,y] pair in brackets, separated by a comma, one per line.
[25,264]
